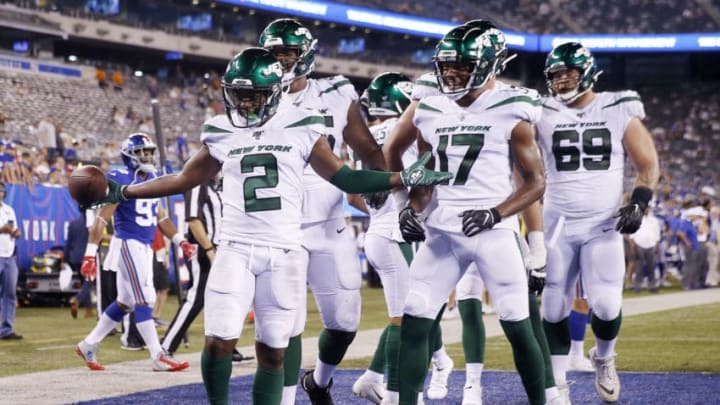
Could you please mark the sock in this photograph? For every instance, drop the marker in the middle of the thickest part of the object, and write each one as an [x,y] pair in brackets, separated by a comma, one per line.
[104,326]
[560,364]
[440,358]
[551,393]
[378,361]
[528,358]
[293,358]
[435,336]
[288,395]
[578,323]
[267,386]
[558,336]
[332,346]
[146,327]
[539,333]
[392,396]
[577,348]
[392,354]
[606,334]
[473,335]
[413,357]
[216,377]
[473,373]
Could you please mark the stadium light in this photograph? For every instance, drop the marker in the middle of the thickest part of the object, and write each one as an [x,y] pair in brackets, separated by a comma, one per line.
[72,58]
[138,73]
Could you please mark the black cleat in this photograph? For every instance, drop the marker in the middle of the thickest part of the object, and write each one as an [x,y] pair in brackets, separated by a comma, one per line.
[318,395]
[237,356]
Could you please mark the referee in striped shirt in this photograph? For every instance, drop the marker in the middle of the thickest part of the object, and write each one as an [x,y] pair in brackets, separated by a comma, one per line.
[203,213]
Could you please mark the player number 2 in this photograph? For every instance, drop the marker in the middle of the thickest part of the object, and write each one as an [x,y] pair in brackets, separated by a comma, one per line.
[596,149]
[474,142]
[267,180]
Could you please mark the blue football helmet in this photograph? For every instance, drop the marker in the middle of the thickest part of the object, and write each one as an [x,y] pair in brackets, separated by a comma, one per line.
[138,152]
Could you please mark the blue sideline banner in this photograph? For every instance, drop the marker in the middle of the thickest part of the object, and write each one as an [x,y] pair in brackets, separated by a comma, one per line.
[43,216]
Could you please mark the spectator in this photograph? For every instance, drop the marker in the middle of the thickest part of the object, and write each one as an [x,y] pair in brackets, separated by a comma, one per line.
[118,80]
[74,252]
[8,268]
[101,77]
[46,136]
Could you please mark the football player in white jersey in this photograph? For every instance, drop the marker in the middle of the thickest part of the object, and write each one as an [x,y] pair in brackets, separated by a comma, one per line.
[585,137]
[387,97]
[333,273]
[470,287]
[262,148]
[472,128]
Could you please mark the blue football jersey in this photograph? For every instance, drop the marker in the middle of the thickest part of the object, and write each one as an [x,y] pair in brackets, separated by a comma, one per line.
[135,218]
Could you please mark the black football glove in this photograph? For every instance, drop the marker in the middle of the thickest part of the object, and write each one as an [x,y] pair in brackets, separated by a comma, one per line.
[411,227]
[631,215]
[476,221]
[536,280]
[377,199]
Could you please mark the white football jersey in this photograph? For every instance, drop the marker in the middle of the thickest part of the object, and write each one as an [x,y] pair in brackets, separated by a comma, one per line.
[384,221]
[263,175]
[425,86]
[331,97]
[584,154]
[473,143]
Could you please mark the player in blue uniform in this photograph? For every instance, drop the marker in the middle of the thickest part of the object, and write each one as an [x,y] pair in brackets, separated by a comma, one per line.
[131,256]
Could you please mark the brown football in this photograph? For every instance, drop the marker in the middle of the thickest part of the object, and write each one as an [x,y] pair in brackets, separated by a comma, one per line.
[87,185]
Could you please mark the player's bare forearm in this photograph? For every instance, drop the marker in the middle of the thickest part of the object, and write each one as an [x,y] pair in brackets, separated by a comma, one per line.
[357,135]
[97,229]
[532,215]
[530,168]
[402,136]
[419,198]
[166,226]
[640,148]
[199,169]
[198,232]
[357,201]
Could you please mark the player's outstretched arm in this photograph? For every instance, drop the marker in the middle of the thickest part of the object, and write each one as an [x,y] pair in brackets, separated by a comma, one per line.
[200,168]
[332,169]
[357,135]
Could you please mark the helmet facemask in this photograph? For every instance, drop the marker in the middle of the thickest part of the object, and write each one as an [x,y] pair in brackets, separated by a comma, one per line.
[250,107]
[142,159]
[577,65]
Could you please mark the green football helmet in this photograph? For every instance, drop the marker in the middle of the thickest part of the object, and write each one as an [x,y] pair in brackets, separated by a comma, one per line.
[286,33]
[498,40]
[469,47]
[251,87]
[571,55]
[389,94]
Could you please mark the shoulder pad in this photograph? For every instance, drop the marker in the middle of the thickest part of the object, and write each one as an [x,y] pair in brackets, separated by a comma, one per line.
[628,101]
[217,125]
[425,86]
[338,85]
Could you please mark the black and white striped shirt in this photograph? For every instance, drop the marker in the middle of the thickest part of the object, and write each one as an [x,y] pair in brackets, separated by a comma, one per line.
[204,203]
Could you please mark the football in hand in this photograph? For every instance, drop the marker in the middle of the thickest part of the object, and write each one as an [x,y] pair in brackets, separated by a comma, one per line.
[87,185]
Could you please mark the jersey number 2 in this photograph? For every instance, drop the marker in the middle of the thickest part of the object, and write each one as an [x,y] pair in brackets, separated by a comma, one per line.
[567,158]
[267,180]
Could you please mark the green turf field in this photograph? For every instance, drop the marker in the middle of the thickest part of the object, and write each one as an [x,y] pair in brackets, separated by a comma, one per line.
[679,340]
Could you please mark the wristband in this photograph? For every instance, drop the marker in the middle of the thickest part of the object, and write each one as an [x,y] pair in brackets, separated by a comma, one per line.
[178,238]
[641,196]
[91,249]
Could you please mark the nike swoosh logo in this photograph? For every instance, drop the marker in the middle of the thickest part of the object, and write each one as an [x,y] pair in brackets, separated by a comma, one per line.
[340,230]
[610,392]
[607,229]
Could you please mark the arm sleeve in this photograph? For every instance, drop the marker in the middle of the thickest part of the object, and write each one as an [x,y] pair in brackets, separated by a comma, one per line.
[361,181]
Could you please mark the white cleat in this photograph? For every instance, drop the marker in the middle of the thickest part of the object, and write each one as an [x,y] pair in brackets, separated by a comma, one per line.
[607,382]
[438,381]
[580,363]
[472,395]
[420,400]
[373,391]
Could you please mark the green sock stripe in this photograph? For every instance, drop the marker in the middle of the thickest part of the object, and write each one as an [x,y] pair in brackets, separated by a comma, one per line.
[558,336]
[333,344]
[413,356]
[473,338]
[539,332]
[392,353]
[606,330]
[528,358]
[216,377]
[407,251]
[292,362]
[267,386]
[378,361]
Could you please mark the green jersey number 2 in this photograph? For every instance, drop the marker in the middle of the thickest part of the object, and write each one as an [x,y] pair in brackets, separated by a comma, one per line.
[267,180]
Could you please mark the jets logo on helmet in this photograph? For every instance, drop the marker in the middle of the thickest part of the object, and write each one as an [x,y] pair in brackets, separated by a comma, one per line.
[562,60]
[389,94]
[138,153]
[287,34]
[498,40]
[251,87]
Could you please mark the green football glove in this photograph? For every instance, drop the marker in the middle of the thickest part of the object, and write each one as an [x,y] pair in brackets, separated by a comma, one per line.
[418,176]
